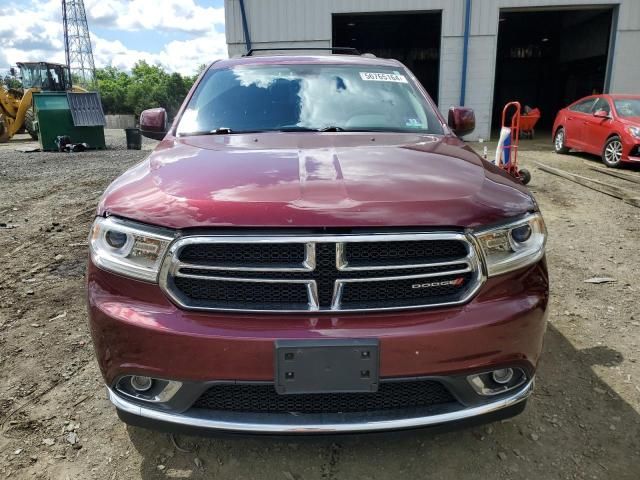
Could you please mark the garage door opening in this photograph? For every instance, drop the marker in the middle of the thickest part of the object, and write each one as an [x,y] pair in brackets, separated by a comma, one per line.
[413,38]
[548,59]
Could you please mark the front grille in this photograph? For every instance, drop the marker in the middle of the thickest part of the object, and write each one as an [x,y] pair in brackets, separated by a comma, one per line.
[404,292]
[263,398]
[392,253]
[243,253]
[268,295]
[322,273]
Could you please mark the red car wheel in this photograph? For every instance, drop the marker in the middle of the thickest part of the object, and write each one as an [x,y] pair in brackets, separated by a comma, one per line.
[612,152]
[558,141]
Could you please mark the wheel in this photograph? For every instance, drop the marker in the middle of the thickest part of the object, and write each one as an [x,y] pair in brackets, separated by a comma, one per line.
[612,152]
[29,124]
[525,176]
[558,141]
[4,130]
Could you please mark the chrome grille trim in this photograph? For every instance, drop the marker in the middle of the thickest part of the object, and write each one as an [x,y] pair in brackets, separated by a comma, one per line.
[307,265]
[342,264]
[172,267]
[312,288]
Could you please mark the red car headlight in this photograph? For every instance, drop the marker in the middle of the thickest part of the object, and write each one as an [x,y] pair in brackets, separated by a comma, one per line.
[634,131]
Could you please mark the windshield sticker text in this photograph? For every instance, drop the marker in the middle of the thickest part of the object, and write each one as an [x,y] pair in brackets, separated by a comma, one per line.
[383,77]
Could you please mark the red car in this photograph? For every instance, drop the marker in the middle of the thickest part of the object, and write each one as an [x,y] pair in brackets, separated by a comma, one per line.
[604,125]
[312,249]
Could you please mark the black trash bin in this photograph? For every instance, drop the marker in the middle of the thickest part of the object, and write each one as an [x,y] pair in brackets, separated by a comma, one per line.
[134,139]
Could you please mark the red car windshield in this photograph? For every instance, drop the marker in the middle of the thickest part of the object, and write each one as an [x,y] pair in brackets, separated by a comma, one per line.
[308,97]
[627,107]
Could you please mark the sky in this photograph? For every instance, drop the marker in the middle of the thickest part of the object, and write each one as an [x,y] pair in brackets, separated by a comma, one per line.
[180,35]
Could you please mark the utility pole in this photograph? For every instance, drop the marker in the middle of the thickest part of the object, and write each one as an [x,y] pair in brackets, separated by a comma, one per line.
[77,42]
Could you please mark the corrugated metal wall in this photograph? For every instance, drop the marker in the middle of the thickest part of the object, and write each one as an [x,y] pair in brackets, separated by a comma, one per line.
[310,20]
[307,23]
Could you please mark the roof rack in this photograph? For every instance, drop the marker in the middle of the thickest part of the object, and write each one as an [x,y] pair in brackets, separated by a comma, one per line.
[346,50]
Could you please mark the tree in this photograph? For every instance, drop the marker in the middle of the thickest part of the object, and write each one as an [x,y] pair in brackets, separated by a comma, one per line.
[10,82]
[147,86]
[113,85]
[201,68]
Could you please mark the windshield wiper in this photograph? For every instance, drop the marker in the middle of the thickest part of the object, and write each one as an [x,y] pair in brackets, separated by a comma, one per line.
[307,129]
[215,131]
[293,128]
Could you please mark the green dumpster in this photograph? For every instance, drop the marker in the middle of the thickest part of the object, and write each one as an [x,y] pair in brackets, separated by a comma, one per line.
[55,119]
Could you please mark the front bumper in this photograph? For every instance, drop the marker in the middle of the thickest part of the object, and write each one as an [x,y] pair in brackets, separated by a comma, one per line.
[634,153]
[280,424]
[137,331]
[630,148]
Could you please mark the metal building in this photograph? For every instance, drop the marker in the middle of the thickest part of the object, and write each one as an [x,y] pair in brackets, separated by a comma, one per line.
[480,53]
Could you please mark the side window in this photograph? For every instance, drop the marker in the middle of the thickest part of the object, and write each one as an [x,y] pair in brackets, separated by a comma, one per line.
[583,107]
[602,104]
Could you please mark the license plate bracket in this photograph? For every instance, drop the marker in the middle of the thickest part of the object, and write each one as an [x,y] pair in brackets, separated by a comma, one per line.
[326,366]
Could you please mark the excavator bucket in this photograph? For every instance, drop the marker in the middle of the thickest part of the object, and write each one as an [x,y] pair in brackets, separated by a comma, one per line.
[4,130]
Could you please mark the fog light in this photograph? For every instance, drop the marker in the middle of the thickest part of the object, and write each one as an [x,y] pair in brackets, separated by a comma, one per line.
[140,383]
[147,389]
[495,382]
[502,376]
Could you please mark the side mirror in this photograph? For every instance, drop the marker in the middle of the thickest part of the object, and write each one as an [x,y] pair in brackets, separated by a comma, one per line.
[601,114]
[153,123]
[461,120]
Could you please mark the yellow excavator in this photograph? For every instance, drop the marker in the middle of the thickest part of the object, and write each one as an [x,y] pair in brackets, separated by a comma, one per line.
[16,110]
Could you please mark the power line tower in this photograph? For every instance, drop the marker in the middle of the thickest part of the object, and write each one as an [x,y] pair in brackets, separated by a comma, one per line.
[77,43]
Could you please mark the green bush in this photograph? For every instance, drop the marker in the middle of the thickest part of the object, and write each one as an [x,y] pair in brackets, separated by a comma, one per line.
[147,86]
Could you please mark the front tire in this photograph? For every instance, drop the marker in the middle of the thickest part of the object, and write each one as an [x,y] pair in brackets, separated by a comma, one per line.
[612,152]
[559,141]
[525,176]
[29,124]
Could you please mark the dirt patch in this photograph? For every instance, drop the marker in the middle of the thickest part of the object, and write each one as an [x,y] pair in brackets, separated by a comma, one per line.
[583,421]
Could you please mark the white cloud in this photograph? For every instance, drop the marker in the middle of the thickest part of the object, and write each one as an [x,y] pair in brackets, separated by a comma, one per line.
[182,56]
[30,35]
[39,33]
[178,15]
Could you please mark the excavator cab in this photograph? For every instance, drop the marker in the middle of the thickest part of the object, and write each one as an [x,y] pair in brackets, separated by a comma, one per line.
[48,77]
[16,111]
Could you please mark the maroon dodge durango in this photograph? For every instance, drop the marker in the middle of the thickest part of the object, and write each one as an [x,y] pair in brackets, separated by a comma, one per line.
[312,249]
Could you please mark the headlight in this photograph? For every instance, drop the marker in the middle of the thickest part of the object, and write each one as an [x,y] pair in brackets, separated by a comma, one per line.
[512,246]
[128,248]
[635,131]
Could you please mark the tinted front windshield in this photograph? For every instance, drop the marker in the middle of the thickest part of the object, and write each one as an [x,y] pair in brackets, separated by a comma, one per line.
[308,97]
[628,107]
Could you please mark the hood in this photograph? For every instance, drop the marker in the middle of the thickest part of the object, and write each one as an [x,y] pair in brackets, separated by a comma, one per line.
[630,121]
[315,180]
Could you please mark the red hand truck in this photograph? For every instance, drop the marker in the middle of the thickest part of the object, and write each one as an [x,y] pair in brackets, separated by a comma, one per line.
[508,160]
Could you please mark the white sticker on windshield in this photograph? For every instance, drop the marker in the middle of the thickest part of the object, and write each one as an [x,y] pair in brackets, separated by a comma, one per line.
[383,77]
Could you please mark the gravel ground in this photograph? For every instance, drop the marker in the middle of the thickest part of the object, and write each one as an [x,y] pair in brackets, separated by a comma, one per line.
[583,421]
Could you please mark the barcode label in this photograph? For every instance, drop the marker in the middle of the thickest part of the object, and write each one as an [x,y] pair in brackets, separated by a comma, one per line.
[383,77]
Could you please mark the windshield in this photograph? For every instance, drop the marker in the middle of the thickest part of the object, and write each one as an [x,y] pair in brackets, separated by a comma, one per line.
[46,76]
[307,97]
[628,107]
